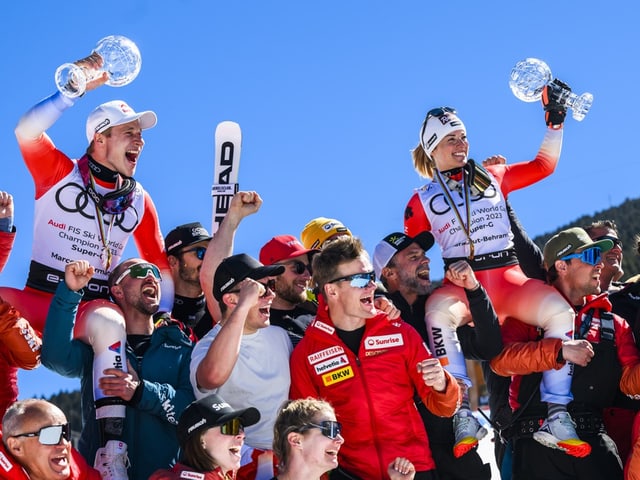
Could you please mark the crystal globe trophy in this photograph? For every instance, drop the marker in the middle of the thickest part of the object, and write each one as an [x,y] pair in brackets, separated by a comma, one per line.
[529,77]
[120,59]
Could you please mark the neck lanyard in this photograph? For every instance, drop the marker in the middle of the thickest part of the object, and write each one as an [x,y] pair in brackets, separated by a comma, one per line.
[467,202]
[87,177]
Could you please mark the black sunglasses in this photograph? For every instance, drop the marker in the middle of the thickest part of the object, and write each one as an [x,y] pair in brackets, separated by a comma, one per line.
[51,435]
[299,267]
[616,241]
[270,285]
[328,428]
[199,251]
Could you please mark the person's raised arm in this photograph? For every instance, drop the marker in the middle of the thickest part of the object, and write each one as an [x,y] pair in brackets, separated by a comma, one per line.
[220,247]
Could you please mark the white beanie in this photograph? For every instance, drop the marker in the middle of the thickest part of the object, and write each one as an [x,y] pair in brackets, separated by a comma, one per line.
[435,128]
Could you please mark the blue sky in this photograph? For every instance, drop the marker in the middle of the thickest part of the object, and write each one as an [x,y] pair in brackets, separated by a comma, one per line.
[330,97]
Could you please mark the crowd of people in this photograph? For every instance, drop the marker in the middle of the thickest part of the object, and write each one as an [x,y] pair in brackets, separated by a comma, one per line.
[317,360]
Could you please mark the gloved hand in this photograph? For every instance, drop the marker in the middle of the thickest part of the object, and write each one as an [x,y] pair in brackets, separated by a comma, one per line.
[554,112]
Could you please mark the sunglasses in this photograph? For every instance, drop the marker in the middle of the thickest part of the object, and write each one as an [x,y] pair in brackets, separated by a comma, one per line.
[199,251]
[140,270]
[299,267]
[270,285]
[591,256]
[328,428]
[232,427]
[616,241]
[51,435]
[357,280]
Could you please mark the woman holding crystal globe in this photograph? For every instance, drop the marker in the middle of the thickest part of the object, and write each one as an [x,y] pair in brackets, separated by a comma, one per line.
[88,209]
[464,207]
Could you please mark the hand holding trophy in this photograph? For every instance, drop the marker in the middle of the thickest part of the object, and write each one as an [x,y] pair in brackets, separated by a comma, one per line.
[529,77]
[116,55]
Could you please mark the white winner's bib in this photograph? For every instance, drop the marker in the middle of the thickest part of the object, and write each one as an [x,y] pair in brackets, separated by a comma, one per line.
[490,229]
[66,217]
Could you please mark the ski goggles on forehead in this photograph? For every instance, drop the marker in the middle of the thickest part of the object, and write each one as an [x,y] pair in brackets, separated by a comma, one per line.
[357,280]
[232,427]
[591,256]
[140,270]
[440,111]
[199,251]
[51,435]
[329,428]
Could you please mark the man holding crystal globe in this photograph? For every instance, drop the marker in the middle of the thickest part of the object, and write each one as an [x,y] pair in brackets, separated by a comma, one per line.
[88,209]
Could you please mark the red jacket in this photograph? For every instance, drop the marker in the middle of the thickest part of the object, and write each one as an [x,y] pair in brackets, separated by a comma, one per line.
[372,393]
[6,244]
[182,471]
[11,470]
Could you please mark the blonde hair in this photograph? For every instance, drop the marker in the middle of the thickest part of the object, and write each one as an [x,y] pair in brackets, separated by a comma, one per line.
[422,163]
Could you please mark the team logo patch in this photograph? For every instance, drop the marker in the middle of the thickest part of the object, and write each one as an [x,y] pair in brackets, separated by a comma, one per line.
[192,475]
[323,354]
[383,341]
[115,347]
[337,376]
[331,364]
[5,463]
[324,327]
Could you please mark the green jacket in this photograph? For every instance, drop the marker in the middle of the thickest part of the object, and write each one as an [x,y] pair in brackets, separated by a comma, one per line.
[152,415]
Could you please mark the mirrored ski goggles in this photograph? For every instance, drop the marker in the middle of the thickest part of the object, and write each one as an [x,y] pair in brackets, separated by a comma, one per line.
[51,435]
[591,256]
[357,280]
[232,427]
[328,428]
[140,270]
[199,251]
[440,111]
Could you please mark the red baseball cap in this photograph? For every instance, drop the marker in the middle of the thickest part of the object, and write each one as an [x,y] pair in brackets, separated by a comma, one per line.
[281,248]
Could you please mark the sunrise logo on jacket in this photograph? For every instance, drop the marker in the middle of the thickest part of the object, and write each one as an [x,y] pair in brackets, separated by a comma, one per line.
[192,475]
[383,341]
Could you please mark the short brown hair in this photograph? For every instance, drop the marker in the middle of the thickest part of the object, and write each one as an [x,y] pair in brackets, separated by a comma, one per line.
[292,416]
[341,250]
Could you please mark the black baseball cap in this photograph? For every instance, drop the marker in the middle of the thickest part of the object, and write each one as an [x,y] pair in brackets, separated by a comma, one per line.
[185,235]
[211,411]
[232,270]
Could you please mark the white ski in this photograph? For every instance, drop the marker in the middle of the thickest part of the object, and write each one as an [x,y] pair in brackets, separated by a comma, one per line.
[228,144]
